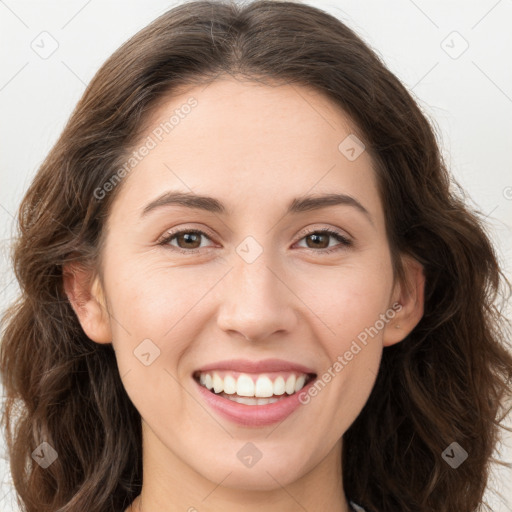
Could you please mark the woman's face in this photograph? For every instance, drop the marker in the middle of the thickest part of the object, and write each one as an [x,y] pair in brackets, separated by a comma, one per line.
[260,284]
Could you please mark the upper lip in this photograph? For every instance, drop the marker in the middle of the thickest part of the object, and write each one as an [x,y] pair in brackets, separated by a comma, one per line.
[263,366]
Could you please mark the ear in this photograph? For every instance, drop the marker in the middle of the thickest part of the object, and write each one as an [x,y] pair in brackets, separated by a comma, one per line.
[86,296]
[408,298]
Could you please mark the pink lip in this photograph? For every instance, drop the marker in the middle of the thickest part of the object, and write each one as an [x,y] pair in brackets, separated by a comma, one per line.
[265,365]
[253,415]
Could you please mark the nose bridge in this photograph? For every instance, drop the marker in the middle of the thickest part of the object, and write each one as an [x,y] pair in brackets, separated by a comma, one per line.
[254,300]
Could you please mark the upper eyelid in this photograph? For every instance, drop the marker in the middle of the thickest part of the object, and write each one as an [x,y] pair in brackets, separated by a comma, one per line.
[309,230]
[171,233]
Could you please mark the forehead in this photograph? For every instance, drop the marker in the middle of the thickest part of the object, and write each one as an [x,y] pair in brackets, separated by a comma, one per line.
[248,143]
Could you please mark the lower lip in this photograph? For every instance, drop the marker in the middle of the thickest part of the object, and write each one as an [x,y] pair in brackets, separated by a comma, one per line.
[253,415]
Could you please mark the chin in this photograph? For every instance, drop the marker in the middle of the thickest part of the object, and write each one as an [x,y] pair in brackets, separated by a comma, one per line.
[268,476]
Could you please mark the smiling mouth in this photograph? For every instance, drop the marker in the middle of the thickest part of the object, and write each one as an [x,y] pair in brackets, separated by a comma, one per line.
[253,389]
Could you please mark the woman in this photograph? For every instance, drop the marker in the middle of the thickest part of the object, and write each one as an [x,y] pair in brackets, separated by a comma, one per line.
[247,284]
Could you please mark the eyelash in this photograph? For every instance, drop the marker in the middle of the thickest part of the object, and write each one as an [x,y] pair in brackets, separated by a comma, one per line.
[344,242]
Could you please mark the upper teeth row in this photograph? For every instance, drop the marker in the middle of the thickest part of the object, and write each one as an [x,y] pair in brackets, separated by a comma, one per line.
[244,385]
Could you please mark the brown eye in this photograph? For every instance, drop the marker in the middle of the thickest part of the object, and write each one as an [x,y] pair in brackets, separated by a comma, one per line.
[319,239]
[188,240]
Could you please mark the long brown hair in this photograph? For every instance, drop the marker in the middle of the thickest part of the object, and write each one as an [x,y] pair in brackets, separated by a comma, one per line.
[448,381]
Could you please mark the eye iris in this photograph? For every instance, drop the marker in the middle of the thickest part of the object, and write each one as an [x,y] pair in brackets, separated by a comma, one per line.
[317,237]
[190,236]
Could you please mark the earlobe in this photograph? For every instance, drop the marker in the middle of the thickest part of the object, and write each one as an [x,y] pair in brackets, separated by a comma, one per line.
[86,296]
[411,296]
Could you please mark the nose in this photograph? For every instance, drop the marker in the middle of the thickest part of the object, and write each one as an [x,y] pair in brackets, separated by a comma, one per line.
[256,301]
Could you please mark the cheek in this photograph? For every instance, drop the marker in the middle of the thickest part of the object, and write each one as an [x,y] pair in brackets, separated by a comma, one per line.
[352,301]
[160,304]
[349,300]
[153,323]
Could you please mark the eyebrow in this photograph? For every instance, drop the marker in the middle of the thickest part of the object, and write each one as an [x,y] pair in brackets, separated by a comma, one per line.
[297,205]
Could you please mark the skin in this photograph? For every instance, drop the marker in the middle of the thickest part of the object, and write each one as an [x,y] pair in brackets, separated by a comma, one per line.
[254,148]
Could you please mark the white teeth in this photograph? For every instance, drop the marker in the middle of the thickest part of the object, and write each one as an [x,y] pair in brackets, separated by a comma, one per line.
[279,386]
[290,385]
[218,383]
[264,387]
[250,400]
[299,383]
[229,385]
[244,385]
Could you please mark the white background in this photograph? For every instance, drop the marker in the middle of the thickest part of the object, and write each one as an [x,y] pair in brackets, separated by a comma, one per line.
[468,95]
